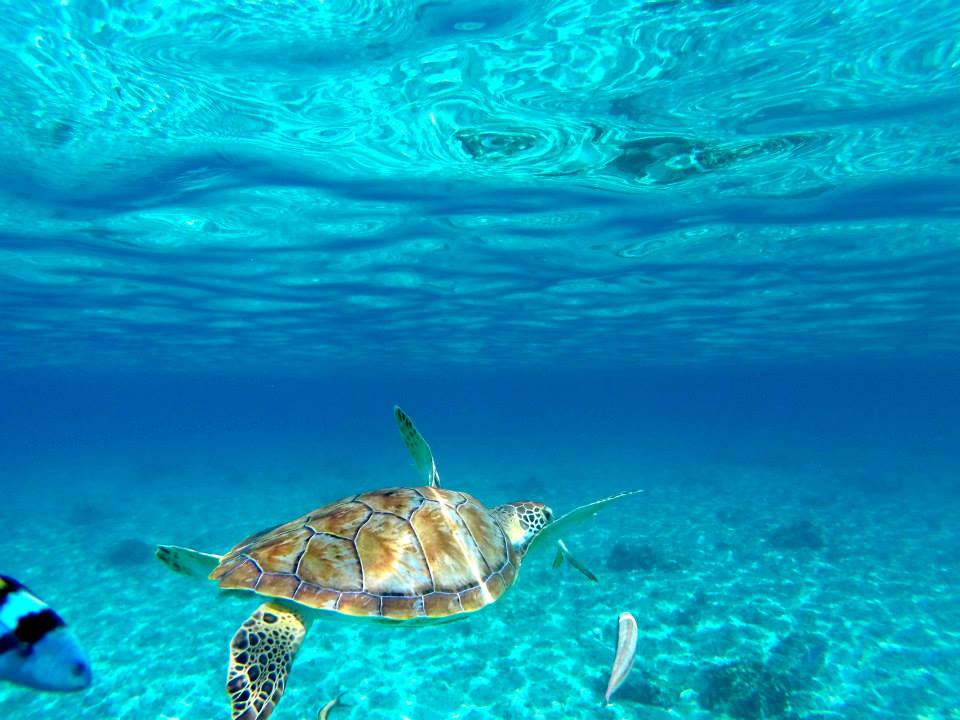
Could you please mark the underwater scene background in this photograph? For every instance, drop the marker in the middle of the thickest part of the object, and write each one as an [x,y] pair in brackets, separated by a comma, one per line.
[704,249]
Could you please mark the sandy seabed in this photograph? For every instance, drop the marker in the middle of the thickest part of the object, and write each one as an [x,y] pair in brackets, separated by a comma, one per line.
[757,596]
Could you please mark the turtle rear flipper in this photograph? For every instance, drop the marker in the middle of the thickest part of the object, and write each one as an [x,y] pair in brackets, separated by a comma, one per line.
[185,561]
[261,655]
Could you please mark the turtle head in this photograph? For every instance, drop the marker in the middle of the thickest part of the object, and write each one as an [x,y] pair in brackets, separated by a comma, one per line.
[523,521]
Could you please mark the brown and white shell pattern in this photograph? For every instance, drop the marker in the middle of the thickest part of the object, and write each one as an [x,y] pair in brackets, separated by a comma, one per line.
[398,553]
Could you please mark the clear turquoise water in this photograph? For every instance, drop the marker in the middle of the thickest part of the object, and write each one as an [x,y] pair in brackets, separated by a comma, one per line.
[708,249]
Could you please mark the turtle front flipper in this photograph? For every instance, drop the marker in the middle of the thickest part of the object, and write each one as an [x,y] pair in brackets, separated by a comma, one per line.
[261,654]
[563,553]
[418,447]
[556,529]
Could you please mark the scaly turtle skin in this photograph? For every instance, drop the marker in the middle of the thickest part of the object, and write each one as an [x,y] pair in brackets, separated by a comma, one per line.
[399,555]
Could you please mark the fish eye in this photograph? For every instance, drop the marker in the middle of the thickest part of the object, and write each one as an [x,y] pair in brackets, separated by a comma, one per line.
[79,669]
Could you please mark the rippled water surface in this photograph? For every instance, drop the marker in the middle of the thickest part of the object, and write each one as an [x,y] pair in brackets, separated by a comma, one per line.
[193,183]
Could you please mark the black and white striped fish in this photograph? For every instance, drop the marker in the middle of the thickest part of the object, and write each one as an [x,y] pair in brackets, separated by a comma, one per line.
[37,649]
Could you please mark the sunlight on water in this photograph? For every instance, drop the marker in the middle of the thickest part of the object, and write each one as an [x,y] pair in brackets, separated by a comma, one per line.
[660,180]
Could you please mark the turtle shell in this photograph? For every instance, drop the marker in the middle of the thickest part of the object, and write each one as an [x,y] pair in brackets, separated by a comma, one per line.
[398,553]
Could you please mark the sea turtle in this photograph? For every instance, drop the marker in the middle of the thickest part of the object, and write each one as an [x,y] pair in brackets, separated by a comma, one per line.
[397,555]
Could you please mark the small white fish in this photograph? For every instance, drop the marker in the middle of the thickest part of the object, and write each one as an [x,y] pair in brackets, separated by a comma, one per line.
[37,650]
[325,710]
[626,653]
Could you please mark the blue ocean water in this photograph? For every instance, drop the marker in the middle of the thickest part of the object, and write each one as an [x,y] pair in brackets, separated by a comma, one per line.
[705,249]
